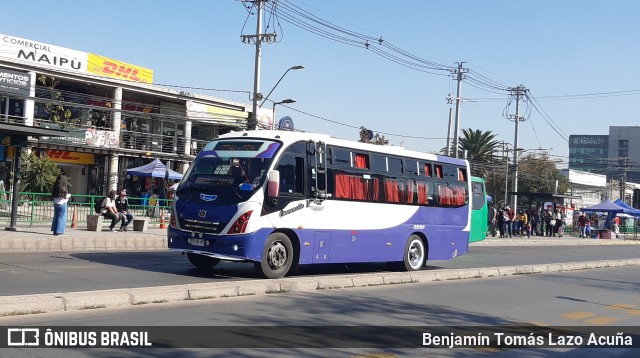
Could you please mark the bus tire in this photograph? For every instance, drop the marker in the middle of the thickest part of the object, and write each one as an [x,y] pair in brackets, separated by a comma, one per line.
[277,256]
[201,261]
[414,255]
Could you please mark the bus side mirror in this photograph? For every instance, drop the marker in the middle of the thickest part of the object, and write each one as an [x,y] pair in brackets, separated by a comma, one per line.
[273,185]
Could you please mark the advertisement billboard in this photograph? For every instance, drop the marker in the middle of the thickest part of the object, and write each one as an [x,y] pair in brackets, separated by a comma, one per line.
[62,58]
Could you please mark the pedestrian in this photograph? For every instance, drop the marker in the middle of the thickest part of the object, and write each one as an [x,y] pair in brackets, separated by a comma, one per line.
[492,219]
[500,222]
[536,223]
[549,223]
[122,205]
[582,220]
[506,223]
[60,193]
[109,210]
[521,220]
[558,223]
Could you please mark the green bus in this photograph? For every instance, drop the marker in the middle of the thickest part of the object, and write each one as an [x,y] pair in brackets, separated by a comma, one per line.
[479,210]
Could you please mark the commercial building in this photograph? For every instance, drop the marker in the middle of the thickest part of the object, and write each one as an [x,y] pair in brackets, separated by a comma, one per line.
[616,155]
[115,116]
[589,153]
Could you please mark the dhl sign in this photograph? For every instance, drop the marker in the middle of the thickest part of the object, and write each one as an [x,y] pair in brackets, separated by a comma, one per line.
[65,156]
[108,67]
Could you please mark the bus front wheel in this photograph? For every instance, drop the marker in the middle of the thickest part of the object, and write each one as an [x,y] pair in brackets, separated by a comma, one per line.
[277,256]
[201,261]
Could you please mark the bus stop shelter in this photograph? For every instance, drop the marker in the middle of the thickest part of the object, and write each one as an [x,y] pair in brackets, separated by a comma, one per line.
[541,198]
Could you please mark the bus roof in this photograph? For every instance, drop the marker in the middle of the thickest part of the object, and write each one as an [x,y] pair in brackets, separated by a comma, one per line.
[288,137]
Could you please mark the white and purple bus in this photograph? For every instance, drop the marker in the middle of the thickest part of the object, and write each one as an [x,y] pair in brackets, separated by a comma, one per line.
[281,199]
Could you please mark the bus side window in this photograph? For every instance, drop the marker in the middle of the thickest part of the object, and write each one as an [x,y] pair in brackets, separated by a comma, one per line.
[478,196]
[438,171]
[291,175]
[462,174]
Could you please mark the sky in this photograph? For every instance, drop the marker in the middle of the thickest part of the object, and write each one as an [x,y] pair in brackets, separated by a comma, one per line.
[578,59]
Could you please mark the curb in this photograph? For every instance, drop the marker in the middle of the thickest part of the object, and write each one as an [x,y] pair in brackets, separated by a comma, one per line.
[117,298]
[105,243]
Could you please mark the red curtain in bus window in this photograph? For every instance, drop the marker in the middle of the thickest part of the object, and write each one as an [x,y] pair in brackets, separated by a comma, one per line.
[391,193]
[460,193]
[446,195]
[427,170]
[362,188]
[411,189]
[343,186]
[361,161]
[351,187]
[438,171]
[376,189]
[422,194]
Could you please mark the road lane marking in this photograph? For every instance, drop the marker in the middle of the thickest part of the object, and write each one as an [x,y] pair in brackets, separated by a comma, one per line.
[601,321]
[579,315]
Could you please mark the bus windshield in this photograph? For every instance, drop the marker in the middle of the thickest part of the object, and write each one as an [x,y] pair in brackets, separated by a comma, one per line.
[233,169]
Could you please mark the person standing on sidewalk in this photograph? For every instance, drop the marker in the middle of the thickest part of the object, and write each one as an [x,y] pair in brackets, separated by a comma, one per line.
[109,210]
[491,219]
[582,222]
[61,196]
[122,205]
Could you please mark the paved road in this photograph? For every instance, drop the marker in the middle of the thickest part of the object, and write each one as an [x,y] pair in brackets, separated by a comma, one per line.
[592,298]
[49,272]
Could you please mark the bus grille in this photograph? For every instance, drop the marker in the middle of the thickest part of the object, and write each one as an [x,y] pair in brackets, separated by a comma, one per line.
[202,226]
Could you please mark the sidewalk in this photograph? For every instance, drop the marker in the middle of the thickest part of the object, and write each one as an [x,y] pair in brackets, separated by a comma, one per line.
[40,238]
[553,241]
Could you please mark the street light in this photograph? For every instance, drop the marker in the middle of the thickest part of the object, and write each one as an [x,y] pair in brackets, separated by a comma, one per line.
[299,67]
[284,101]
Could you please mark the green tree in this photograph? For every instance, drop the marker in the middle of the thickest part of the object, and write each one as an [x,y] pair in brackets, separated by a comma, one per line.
[367,136]
[54,109]
[537,173]
[38,173]
[480,147]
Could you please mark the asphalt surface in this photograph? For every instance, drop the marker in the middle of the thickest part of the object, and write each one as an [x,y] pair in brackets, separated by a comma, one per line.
[92,270]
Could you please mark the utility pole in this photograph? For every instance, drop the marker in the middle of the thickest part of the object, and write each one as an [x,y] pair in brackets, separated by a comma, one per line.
[623,180]
[505,153]
[449,135]
[459,77]
[518,92]
[258,38]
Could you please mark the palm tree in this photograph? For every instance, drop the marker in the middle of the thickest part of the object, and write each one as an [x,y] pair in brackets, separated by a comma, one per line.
[479,146]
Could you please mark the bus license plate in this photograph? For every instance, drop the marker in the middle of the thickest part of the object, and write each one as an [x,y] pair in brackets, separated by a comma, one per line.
[197,242]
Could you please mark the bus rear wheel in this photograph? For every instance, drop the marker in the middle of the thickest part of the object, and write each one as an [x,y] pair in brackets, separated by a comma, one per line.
[277,256]
[414,255]
[201,261]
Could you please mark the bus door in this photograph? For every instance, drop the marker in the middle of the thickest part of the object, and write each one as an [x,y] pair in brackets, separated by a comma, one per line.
[319,171]
[479,210]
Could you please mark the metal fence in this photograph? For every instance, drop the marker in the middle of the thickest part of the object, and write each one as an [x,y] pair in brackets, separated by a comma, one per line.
[37,208]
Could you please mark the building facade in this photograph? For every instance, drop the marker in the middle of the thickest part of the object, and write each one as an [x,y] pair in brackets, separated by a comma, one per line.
[589,153]
[115,117]
[624,153]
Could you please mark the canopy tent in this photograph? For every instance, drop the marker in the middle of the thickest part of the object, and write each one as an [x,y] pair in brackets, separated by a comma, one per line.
[632,211]
[608,206]
[155,169]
